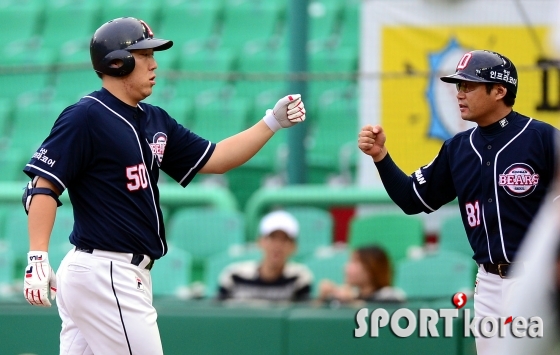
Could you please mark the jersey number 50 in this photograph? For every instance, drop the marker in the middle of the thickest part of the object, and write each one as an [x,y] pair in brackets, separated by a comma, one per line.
[137,177]
[473,213]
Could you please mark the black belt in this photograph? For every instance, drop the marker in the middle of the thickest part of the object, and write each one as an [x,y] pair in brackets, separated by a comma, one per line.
[501,269]
[135,260]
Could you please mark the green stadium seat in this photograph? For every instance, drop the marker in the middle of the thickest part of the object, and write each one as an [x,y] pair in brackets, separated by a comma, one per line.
[216,263]
[6,271]
[57,252]
[5,209]
[248,23]
[315,229]
[25,70]
[436,276]
[324,16]
[69,22]
[179,108]
[19,18]
[190,23]
[271,158]
[63,225]
[12,163]
[146,10]
[171,274]
[203,70]
[219,119]
[17,235]
[6,111]
[74,75]
[452,236]
[32,124]
[205,231]
[335,156]
[337,68]
[349,32]
[265,71]
[395,232]
[327,264]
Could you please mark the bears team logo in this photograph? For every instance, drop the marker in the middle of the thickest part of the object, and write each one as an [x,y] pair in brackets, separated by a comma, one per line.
[519,180]
[158,146]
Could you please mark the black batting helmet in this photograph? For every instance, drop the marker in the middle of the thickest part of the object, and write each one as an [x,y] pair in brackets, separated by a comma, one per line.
[485,67]
[115,39]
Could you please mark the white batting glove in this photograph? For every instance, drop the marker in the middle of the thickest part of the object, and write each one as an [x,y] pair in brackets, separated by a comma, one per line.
[287,112]
[39,279]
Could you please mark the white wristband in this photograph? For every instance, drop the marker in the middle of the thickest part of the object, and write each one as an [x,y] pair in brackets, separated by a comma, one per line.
[37,256]
[271,121]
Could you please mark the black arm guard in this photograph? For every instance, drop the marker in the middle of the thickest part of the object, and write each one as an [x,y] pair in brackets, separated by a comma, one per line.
[31,190]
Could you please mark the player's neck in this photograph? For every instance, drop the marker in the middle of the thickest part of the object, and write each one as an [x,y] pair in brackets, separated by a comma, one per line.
[494,116]
[116,89]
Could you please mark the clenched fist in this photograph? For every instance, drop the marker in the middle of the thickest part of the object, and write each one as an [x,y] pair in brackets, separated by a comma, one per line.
[287,112]
[371,141]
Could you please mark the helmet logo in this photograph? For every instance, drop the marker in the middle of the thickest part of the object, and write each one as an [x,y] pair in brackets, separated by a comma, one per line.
[464,61]
[147,28]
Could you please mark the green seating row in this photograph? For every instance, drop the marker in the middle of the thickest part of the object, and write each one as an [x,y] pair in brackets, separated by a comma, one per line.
[203,241]
[227,23]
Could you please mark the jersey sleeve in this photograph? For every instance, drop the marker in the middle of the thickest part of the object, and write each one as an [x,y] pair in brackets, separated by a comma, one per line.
[433,183]
[66,150]
[185,153]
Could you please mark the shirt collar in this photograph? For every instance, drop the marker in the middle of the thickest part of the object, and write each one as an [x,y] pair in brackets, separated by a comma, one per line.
[119,106]
[498,126]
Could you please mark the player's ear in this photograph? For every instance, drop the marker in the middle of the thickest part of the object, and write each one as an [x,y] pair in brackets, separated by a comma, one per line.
[501,91]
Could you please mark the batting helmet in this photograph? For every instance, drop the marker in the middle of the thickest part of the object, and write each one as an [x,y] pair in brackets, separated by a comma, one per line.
[115,39]
[485,67]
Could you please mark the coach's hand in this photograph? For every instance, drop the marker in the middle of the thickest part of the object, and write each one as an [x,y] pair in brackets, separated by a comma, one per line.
[371,141]
[40,279]
[287,112]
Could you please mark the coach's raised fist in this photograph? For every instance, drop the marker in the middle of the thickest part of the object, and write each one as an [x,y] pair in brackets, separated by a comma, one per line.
[371,141]
[287,112]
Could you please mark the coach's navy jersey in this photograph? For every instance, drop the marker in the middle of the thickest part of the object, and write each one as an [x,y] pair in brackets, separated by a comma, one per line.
[108,155]
[500,175]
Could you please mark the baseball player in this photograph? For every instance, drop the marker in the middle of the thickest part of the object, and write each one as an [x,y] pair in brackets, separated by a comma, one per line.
[499,171]
[107,150]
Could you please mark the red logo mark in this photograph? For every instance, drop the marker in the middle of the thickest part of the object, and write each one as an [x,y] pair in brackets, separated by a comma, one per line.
[459,300]
[508,320]
[464,61]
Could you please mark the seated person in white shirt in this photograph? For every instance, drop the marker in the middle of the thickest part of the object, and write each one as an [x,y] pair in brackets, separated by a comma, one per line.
[273,278]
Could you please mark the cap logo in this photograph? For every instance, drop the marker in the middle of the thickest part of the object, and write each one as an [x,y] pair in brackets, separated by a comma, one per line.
[464,61]
[147,28]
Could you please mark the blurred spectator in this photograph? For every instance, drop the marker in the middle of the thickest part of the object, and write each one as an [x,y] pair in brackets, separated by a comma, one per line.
[273,278]
[368,279]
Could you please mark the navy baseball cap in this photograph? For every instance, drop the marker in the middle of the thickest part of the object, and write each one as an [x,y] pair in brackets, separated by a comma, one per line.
[484,66]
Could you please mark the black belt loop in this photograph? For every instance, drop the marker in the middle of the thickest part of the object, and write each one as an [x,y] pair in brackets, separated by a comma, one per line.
[136,258]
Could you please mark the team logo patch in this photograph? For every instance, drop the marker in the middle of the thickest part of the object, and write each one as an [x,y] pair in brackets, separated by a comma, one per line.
[519,180]
[158,146]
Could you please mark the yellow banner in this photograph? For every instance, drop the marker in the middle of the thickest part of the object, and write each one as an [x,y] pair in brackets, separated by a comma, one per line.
[419,112]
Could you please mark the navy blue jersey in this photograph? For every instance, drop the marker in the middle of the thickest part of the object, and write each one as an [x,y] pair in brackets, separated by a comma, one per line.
[500,175]
[108,155]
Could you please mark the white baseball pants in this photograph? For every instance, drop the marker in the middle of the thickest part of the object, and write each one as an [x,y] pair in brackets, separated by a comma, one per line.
[492,298]
[105,304]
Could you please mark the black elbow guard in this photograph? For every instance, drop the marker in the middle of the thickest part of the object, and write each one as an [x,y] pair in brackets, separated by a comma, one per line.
[31,190]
